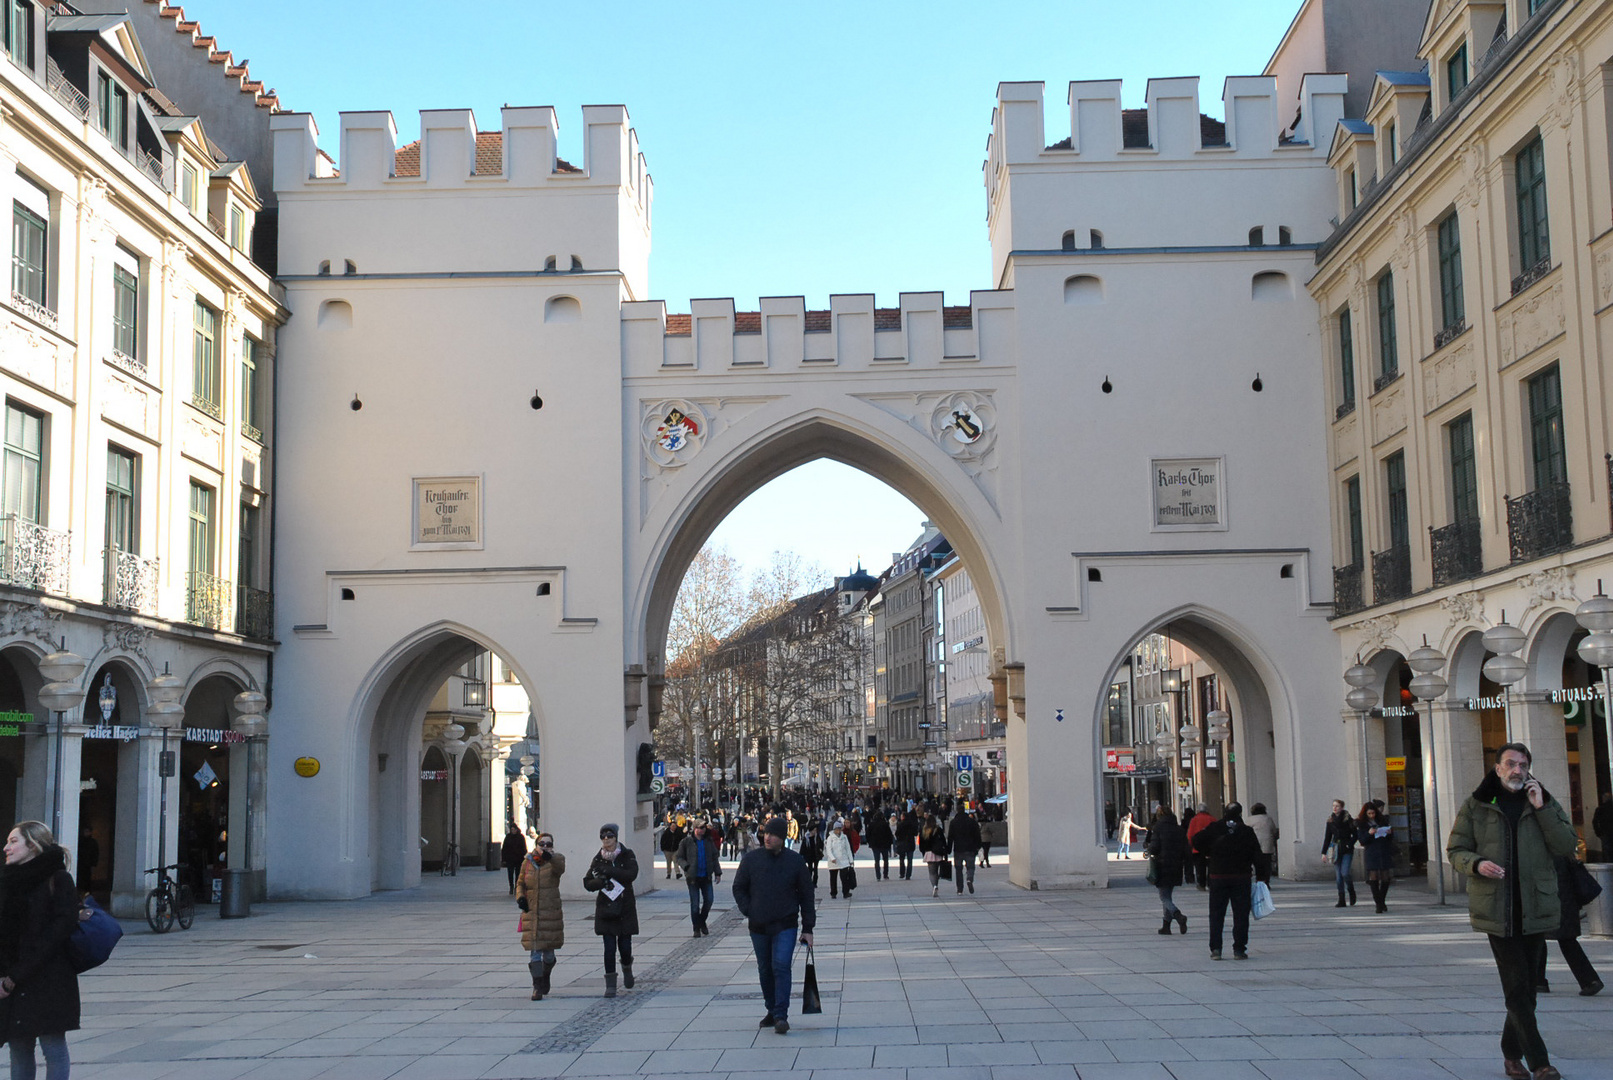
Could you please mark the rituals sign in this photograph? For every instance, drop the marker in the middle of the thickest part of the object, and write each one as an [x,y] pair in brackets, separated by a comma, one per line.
[447,512]
[1188,493]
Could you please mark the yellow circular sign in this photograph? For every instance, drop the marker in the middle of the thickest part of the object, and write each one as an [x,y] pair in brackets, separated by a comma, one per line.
[306,766]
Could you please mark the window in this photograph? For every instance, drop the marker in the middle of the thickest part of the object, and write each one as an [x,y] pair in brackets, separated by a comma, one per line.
[251,423]
[1456,73]
[1394,479]
[1546,428]
[247,553]
[201,528]
[187,186]
[1352,508]
[1346,362]
[1388,347]
[1452,310]
[24,462]
[1464,472]
[1391,138]
[122,501]
[113,102]
[237,228]
[20,32]
[1355,191]
[126,305]
[204,360]
[28,252]
[1534,240]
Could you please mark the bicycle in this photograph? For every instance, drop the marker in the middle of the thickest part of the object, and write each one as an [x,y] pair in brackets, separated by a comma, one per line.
[450,862]
[169,901]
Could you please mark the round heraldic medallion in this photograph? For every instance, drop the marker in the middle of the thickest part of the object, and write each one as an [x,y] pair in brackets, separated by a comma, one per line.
[673,432]
[964,424]
[306,766]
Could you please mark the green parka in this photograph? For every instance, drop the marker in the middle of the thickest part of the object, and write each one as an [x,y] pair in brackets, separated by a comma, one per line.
[1482,832]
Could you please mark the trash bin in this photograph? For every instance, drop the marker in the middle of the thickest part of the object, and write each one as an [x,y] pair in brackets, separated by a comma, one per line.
[235,902]
[495,856]
[1599,915]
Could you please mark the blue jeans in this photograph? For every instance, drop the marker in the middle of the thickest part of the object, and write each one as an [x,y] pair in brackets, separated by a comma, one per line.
[22,1056]
[699,899]
[1341,871]
[774,953]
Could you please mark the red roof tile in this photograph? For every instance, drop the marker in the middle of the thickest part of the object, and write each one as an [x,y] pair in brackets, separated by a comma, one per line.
[747,322]
[887,318]
[489,157]
[957,318]
[678,325]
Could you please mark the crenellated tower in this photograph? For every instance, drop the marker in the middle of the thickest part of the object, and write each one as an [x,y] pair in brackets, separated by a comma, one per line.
[385,208]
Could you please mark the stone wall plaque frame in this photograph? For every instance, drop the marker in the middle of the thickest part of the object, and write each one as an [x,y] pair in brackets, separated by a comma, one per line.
[1188,494]
[446,514]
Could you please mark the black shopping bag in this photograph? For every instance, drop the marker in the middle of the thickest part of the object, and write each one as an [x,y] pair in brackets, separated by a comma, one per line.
[810,1001]
[945,867]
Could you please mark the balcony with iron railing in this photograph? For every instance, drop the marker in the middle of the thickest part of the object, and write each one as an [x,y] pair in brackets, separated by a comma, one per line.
[1541,522]
[1456,552]
[130,582]
[1347,592]
[33,309]
[1449,334]
[34,557]
[1391,574]
[204,599]
[63,90]
[1531,275]
[211,408]
[254,613]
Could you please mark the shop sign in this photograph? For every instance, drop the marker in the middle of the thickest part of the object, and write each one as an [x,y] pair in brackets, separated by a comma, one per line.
[213,735]
[433,774]
[306,766]
[16,723]
[1476,703]
[1395,764]
[126,732]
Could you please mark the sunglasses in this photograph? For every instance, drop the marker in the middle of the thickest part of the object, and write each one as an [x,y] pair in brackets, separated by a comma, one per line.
[546,843]
[607,836]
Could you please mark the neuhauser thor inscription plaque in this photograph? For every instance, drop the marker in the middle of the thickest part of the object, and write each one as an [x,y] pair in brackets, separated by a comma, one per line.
[447,512]
[1188,493]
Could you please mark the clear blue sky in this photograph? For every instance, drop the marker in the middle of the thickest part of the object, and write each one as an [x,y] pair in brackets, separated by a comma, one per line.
[796,149]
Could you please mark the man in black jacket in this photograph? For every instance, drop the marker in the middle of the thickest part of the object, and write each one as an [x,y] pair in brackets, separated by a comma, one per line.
[964,834]
[773,890]
[1233,854]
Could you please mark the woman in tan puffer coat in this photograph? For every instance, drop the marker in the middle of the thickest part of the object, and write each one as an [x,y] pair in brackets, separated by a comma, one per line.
[537,894]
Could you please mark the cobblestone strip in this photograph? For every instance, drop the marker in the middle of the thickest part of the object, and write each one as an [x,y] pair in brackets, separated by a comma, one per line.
[581,1032]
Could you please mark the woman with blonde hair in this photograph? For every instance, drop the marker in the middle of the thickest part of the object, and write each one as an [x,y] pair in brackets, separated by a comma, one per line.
[537,894]
[38,987]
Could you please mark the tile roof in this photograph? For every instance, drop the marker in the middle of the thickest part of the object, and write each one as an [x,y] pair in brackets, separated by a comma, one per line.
[489,157]
[678,325]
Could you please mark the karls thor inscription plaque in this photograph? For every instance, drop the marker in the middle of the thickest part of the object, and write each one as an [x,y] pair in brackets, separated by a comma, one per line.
[447,512]
[1189,493]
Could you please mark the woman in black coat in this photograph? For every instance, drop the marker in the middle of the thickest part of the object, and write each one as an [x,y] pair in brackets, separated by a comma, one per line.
[615,918]
[39,989]
[907,835]
[1167,846]
[1568,937]
[1378,852]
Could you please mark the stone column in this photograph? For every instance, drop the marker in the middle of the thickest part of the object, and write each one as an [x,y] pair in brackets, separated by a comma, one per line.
[1537,722]
[1452,761]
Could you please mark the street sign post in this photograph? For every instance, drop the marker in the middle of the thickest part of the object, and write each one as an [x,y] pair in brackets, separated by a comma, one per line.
[658,768]
[966,781]
[657,785]
[966,763]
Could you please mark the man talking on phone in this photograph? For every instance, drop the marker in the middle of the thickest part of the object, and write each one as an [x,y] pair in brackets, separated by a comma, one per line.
[1505,837]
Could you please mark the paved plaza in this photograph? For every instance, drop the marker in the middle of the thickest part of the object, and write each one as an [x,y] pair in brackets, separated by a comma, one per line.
[1002,984]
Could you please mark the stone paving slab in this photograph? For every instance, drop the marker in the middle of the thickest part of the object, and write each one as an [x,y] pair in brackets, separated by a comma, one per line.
[996,985]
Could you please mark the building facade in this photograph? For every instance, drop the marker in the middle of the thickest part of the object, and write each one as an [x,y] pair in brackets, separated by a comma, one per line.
[1461,300]
[137,358]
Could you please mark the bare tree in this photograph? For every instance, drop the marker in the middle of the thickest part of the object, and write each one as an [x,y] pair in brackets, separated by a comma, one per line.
[712,601]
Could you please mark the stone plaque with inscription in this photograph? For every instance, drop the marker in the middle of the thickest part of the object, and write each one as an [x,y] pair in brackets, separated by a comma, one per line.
[1188,493]
[447,512]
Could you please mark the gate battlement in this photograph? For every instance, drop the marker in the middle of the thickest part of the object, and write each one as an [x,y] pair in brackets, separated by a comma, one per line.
[852,334]
[453,153]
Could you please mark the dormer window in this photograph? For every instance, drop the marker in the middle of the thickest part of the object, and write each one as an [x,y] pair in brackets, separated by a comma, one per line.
[113,110]
[237,228]
[1391,135]
[187,186]
[1355,190]
[1456,73]
[19,26]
